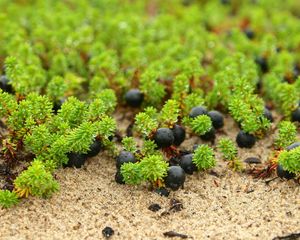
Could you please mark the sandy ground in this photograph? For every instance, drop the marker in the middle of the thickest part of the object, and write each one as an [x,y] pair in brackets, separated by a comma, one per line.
[227,206]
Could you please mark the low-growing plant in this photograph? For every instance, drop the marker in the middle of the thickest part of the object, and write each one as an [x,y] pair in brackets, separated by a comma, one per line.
[287,134]
[289,160]
[230,153]
[204,157]
[8,198]
[36,180]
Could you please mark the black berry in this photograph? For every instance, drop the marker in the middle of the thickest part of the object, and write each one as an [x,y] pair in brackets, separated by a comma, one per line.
[162,192]
[197,111]
[292,146]
[5,85]
[134,97]
[76,159]
[57,105]
[216,118]
[164,137]
[245,140]
[108,232]
[175,178]
[296,115]
[283,173]
[179,134]
[249,33]
[268,115]
[210,135]
[263,64]
[95,148]
[119,178]
[186,163]
[125,157]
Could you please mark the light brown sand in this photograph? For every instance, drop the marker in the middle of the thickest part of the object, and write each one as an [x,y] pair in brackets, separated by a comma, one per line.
[232,206]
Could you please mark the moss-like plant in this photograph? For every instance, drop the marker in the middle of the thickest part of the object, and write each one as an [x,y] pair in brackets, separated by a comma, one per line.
[151,168]
[289,160]
[287,133]
[36,180]
[201,124]
[230,153]
[204,157]
[8,199]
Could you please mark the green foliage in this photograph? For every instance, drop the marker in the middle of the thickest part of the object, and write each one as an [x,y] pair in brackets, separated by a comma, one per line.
[204,157]
[227,148]
[153,90]
[129,144]
[284,95]
[36,180]
[131,173]
[289,160]
[150,168]
[192,100]
[230,153]
[201,124]
[72,112]
[169,113]
[80,139]
[106,127]
[56,88]
[153,168]
[149,148]
[146,122]
[287,133]
[8,104]
[247,109]
[8,199]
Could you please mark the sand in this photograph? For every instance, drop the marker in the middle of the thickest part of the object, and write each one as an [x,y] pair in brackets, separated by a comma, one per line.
[228,206]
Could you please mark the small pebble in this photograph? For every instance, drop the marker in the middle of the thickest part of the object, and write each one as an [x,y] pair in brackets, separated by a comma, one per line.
[154,207]
[252,160]
[108,232]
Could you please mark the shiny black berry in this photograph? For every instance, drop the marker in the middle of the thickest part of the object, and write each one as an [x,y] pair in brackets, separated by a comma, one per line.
[296,115]
[292,146]
[216,118]
[283,173]
[179,134]
[119,178]
[5,85]
[268,115]
[249,33]
[210,135]
[245,140]
[197,111]
[134,97]
[164,137]
[125,157]
[57,105]
[76,159]
[95,148]
[186,163]
[263,64]
[175,178]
